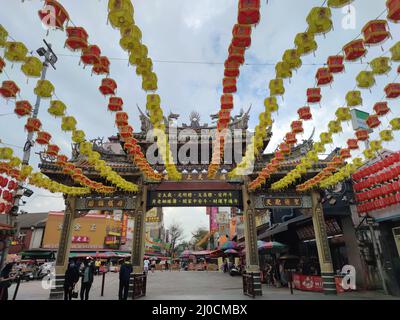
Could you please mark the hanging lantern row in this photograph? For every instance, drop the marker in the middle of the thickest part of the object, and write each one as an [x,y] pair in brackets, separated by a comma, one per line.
[377,167]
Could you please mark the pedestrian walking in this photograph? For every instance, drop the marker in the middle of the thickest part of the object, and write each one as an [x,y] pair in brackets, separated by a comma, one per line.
[166,265]
[124,277]
[70,280]
[153,265]
[5,280]
[87,279]
[146,264]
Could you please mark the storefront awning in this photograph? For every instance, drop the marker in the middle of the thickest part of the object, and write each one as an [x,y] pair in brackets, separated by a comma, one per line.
[278,228]
[37,254]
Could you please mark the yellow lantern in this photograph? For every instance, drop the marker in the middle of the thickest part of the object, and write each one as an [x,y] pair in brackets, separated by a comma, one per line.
[354,98]
[6,153]
[15,51]
[130,37]
[292,58]
[358,162]
[15,162]
[68,123]
[338,3]
[312,156]
[138,54]
[26,171]
[271,104]
[276,87]
[78,136]
[120,13]
[149,82]
[32,67]
[380,65]
[365,79]
[395,51]
[3,36]
[305,43]
[386,135]
[145,67]
[283,70]
[326,138]
[44,89]
[57,108]
[335,127]
[319,20]
[395,123]
[369,154]
[319,147]
[343,114]
[375,145]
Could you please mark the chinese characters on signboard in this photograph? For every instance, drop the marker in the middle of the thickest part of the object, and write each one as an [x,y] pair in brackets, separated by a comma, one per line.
[80,239]
[103,204]
[231,198]
[283,202]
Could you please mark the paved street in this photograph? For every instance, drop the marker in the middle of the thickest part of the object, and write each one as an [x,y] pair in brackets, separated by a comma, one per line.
[190,286]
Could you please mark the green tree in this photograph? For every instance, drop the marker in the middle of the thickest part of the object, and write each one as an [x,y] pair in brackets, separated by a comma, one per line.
[199,240]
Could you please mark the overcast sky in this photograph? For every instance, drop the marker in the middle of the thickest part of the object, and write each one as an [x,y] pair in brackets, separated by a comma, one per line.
[186,30]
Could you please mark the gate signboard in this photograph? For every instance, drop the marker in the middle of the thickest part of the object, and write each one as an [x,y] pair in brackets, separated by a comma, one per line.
[282,202]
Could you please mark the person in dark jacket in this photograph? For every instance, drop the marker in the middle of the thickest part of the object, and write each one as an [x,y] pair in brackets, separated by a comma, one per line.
[124,276]
[71,278]
[87,279]
[5,280]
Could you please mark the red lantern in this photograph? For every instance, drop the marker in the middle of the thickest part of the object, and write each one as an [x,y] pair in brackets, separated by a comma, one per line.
[121,119]
[33,124]
[345,153]
[115,104]
[290,138]
[43,137]
[323,76]
[236,54]
[91,55]
[2,64]
[108,86]
[285,148]
[23,108]
[335,64]
[61,160]
[224,116]
[103,67]
[375,32]
[392,90]
[297,126]
[231,69]
[52,150]
[9,89]
[381,108]
[229,85]
[59,14]
[69,168]
[77,38]
[227,102]
[241,36]
[279,156]
[304,113]
[373,121]
[130,143]
[249,11]
[126,131]
[362,135]
[393,10]
[354,50]
[352,144]
[314,95]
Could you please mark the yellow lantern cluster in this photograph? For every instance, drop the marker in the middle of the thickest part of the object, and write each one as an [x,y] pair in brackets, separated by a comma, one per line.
[44,89]
[3,36]
[354,99]
[365,79]
[32,67]
[15,51]
[41,181]
[120,13]
[380,65]
[57,108]
[319,20]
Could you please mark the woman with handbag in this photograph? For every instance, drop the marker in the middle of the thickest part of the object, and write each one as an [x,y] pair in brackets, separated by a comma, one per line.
[71,278]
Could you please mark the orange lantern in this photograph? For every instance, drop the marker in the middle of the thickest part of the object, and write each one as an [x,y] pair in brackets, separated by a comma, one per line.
[354,50]
[115,104]
[297,126]
[323,76]
[77,38]
[69,168]
[241,36]
[375,32]
[285,148]
[290,138]
[91,55]
[305,113]
[392,90]
[130,143]
[2,64]
[121,119]
[279,156]
[23,108]
[59,14]
[108,86]
[231,69]
[52,150]
[61,160]
[362,135]
[33,125]
[9,89]
[381,108]
[229,85]
[224,116]
[43,137]
[236,54]
[78,175]
[373,121]
[393,10]
[345,153]
[126,131]
[314,95]
[352,144]
[227,101]
[249,11]
[335,64]
[103,67]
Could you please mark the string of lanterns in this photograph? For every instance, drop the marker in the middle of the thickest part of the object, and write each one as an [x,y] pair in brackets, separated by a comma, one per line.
[77,40]
[319,22]
[248,17]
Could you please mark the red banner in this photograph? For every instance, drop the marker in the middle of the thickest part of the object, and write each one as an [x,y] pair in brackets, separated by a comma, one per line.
[313,283]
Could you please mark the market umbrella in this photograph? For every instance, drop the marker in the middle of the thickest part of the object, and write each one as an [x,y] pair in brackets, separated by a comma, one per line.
[230,251]
[270,246]
[229,245]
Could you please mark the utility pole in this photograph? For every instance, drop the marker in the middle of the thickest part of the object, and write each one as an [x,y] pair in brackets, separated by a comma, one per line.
[50,58]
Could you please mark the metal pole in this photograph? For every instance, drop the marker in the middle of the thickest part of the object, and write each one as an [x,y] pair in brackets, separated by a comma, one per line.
[17,287]
[50,58]
[377,257]
[102,284]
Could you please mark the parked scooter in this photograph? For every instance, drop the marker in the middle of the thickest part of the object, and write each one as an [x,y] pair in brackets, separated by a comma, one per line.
[235,271]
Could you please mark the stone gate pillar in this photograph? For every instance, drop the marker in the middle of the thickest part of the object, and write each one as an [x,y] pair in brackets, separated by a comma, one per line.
[324,252]
[64,246]
[250,233]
